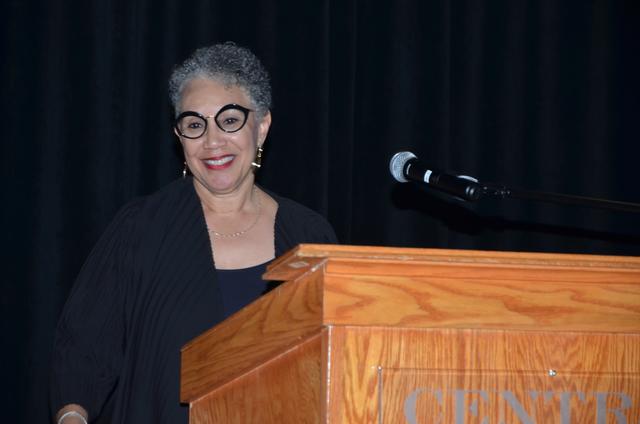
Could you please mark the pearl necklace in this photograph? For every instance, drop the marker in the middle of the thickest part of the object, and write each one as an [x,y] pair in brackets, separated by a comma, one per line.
[246,230]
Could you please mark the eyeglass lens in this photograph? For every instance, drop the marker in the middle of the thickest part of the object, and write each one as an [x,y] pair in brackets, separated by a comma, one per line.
[231,119]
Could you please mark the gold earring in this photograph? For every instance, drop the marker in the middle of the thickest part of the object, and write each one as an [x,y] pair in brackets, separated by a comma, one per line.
[184,169]
[257,162]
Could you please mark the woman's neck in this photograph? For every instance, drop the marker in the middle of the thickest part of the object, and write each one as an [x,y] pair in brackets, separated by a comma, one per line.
[245,198]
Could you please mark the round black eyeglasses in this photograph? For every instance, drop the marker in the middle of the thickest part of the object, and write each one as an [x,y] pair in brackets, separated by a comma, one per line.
[230,118]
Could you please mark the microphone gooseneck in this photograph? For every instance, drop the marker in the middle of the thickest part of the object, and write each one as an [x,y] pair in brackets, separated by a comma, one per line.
[405,167]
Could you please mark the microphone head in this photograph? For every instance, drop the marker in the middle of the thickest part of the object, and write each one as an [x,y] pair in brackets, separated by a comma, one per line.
[397,163]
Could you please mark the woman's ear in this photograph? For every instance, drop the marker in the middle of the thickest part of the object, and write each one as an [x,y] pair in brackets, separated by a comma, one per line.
[263,128]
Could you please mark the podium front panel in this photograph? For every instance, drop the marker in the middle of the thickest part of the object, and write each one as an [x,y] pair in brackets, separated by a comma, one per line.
[389,375]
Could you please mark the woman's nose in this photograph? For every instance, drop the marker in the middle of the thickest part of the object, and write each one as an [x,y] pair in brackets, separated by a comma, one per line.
[213,138]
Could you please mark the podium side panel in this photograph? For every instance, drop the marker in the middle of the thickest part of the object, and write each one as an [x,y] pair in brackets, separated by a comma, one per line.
[269,326]
[286,389]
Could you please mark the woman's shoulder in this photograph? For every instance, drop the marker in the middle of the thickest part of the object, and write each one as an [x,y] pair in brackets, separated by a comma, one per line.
[158,209]
[295,210]
[171,214]
[300,223]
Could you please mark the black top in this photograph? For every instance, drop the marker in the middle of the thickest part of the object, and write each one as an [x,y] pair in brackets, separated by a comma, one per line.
[239,287]
[147,288]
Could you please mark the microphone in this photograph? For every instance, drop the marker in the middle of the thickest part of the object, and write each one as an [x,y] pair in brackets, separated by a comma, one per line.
[405,166]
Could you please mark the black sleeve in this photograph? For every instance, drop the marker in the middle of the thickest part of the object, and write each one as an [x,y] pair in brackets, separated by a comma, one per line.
[90,336]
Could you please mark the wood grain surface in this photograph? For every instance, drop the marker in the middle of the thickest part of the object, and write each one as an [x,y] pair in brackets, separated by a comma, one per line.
[375,371]
[447,260]
[468,302]
[472,289]
[271,325]
[285,389]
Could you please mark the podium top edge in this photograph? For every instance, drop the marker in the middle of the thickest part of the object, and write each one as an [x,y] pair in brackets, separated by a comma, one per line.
[316,253]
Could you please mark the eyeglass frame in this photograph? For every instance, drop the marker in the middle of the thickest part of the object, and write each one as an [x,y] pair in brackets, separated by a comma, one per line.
[242,109]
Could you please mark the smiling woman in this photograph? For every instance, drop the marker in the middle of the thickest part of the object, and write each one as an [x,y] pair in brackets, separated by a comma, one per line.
[174,263]
[221,163]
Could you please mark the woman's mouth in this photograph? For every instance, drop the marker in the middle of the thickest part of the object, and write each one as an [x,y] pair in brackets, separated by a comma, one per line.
[220,162]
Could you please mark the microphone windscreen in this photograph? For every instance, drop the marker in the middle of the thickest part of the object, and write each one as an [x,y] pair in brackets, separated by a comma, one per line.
[397,163]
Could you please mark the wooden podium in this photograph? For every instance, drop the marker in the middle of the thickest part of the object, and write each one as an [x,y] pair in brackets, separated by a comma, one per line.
[387,335]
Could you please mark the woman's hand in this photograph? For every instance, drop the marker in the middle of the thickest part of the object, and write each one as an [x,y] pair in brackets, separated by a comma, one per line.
[72,414]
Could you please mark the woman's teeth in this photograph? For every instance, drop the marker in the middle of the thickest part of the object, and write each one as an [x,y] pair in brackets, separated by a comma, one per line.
[218,162]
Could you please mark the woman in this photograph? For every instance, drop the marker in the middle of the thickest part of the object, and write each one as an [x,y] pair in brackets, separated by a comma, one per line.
[173,264]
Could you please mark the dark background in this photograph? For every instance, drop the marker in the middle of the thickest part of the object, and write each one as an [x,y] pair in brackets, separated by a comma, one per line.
[542,95]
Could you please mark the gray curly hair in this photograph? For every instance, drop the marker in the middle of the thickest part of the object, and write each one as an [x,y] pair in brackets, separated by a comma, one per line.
[228,64]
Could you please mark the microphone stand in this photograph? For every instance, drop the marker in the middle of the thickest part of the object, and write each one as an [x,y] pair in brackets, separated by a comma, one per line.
[504,192]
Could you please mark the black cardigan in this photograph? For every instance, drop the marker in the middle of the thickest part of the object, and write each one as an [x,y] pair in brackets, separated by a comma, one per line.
[147,288]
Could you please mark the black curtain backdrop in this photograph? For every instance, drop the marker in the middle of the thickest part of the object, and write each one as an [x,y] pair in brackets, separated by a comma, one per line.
[542,95]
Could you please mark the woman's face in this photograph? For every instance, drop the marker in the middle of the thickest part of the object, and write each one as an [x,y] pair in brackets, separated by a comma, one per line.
[220,161]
